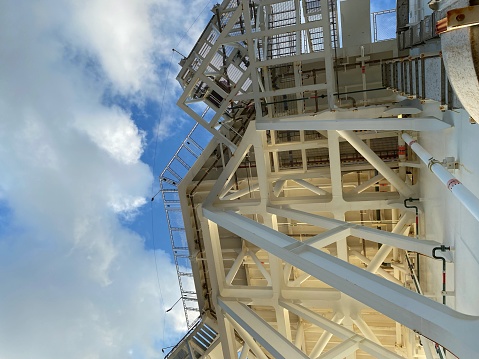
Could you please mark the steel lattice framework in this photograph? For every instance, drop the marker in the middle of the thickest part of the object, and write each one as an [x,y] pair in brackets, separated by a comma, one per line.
[299,214]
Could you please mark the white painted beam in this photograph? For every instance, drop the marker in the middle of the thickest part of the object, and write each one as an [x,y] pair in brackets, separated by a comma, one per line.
[298,340]
[325,337]
[215,265]
[300,280]
[278,187]
[255,326]
[240,193]
[294,293]
[235,267]
[247,338]
[337,329]
[395,124]
[342,350]
[365,185]
[379,271]
[260,266]
[232,165]
[311,187]
[454,330]
[244,351]
[378,163]
[371,234]
[365,329]
[323,239]
[383,252]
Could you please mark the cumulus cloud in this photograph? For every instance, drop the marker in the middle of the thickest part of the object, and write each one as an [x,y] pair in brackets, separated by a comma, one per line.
[76,283]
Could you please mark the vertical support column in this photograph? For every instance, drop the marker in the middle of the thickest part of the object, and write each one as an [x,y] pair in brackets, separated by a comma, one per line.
[335,165]
[215,264]
[423,77]
[304,158]
[276,269]
[258,141]
[328,46]
[252,59]
[275,153]
[337,187]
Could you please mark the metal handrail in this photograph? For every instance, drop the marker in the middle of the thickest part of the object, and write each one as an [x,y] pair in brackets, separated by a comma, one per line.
[169,181]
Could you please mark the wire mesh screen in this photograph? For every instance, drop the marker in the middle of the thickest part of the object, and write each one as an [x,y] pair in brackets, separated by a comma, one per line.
[384,25]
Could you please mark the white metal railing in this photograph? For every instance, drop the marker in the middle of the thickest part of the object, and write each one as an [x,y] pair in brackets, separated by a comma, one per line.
[189,150]
[384,25]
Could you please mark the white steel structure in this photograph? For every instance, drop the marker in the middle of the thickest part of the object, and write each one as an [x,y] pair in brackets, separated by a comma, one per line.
[337,187]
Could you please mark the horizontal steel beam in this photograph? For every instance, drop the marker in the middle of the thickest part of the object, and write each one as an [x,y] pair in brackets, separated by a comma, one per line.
[371,234]
[412,124]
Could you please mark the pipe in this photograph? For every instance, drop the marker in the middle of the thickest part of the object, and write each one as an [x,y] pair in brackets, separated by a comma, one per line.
[417,231]
[417,211]
[442,248]
[466,197]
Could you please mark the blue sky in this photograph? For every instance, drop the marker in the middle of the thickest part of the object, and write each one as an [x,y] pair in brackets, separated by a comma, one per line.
[378,5]
[82,100]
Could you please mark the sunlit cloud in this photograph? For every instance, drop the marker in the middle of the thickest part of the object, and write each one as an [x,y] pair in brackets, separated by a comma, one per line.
[76,283]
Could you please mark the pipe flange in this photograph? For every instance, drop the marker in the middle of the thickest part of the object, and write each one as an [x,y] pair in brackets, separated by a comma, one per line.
[452,182]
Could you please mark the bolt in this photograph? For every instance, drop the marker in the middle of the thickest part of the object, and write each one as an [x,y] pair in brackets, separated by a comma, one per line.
[460,17]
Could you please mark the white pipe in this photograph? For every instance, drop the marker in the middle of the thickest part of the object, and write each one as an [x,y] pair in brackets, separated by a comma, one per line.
[374,160]
[466,197]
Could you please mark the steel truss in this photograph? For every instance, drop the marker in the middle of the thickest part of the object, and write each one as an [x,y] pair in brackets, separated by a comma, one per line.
[300,242]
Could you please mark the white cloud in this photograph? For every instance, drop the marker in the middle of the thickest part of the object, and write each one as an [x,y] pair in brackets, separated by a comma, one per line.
[114,131]
[75,283]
